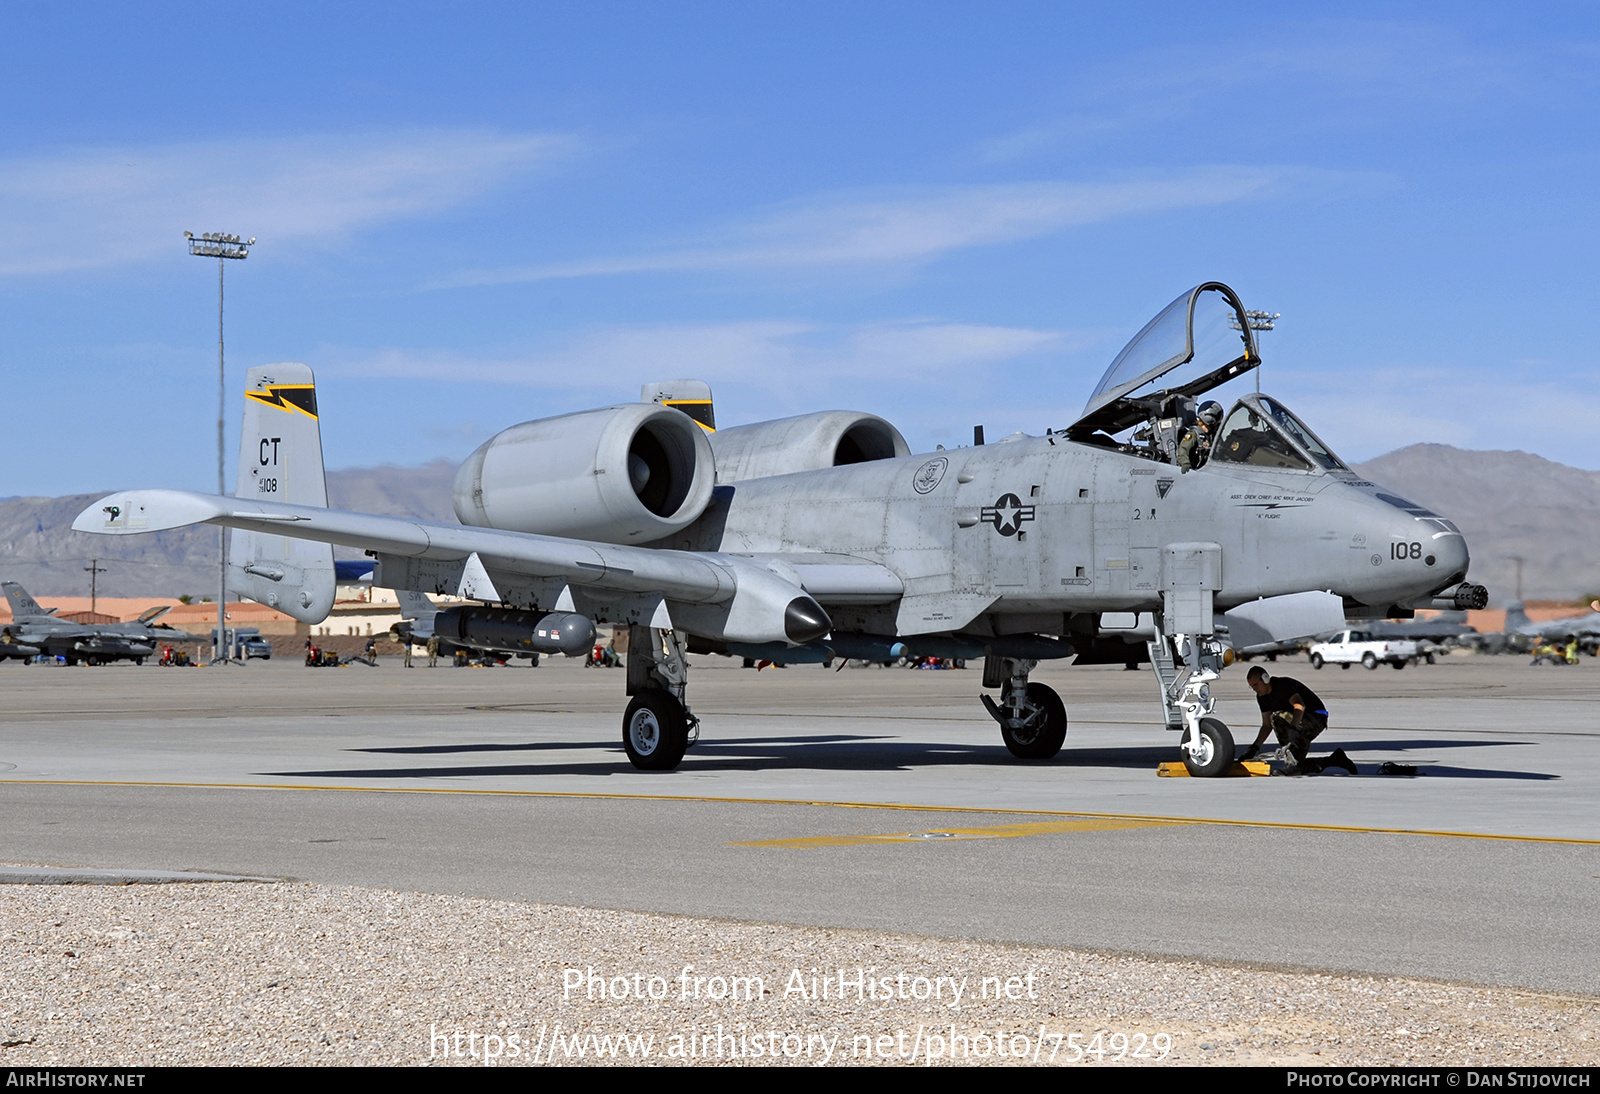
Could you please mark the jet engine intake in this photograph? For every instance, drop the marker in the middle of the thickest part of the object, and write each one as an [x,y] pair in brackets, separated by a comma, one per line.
[507,631]
[622,474]
[808,442]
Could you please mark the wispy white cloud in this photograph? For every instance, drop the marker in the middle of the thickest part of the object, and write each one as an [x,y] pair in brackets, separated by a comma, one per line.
[923,374]
[1364,71]
[911,226]
[592,359]
[770,354]
[105,206]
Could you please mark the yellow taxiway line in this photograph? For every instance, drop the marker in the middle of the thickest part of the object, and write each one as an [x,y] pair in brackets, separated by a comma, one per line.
[1138,820]
[934,835]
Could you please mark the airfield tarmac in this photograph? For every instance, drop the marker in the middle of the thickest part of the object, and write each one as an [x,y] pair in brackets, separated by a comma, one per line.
[869,799]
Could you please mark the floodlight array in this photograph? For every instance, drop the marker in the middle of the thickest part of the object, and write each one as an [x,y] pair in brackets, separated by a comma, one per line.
[218,245]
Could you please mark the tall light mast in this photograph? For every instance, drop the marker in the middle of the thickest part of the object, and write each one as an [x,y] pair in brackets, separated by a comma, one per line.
[221,246]
[1258,320]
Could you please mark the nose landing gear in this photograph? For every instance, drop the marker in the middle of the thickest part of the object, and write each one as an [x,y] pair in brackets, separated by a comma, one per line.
[1207,743]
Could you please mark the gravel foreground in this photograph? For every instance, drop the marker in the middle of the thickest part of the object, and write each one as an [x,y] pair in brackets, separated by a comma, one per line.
[309,974]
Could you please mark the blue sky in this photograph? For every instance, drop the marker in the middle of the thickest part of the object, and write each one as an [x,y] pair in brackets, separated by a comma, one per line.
[468,217]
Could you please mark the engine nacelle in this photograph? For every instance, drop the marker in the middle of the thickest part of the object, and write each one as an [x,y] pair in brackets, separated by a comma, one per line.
[622,474]
[830,438]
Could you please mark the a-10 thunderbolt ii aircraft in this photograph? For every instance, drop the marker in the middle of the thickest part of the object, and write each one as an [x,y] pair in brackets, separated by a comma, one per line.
[34,630]
[822,536]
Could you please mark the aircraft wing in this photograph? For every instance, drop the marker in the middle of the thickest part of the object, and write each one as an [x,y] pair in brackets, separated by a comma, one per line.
[1560,628]
[761,598]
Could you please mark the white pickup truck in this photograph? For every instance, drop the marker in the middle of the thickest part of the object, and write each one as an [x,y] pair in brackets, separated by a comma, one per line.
[1349,647]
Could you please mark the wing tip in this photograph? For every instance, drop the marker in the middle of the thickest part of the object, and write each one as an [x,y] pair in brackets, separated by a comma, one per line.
[129,512]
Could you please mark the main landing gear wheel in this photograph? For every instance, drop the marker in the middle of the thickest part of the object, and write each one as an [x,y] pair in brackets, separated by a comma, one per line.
[1044,738]
[1215,754]
[655,731]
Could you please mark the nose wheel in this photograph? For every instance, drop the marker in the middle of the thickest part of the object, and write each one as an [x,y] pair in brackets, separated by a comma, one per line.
[1207,745]
[1212,750]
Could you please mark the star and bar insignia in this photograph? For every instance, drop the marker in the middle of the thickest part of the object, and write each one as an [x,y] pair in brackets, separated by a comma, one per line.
[1008,514]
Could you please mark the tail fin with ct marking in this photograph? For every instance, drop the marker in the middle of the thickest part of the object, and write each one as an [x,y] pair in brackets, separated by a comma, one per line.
[280,459]
[693,397]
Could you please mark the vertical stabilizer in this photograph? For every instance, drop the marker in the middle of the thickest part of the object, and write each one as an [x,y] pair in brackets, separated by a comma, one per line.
[1516,617]
[280,459]
[23,606]
[693,397]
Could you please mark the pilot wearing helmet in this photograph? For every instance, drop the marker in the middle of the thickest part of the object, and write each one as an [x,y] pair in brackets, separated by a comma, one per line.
[1196,443]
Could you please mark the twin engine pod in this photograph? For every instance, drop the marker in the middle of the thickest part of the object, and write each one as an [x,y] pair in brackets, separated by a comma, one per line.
[623,474]
[806,442]
[506,631]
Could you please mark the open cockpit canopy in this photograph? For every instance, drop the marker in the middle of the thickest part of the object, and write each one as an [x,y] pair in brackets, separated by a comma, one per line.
[1199,341]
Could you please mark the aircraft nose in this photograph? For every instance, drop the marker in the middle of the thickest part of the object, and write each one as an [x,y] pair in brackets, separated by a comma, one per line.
[1425,551]
[1448,553]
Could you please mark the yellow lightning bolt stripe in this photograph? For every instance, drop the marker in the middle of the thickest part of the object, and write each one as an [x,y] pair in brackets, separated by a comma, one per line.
[681,403]
[276,396]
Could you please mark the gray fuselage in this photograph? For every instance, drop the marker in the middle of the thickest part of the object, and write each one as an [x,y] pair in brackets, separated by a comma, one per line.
[1043,524]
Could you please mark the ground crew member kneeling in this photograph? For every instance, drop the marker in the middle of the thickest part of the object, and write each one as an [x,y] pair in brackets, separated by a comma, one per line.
[1293,712]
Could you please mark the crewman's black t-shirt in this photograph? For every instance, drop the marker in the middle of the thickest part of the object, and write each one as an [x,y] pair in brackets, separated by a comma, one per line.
[1284,689]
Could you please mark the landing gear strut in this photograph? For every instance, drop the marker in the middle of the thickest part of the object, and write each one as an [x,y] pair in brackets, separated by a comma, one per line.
[1033,720]
[659,726]
[1207,744]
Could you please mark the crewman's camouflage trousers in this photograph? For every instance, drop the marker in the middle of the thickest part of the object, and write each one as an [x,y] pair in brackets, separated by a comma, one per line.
[1295,740]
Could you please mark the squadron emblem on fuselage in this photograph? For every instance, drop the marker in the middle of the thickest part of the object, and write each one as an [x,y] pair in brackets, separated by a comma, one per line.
[929,475]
